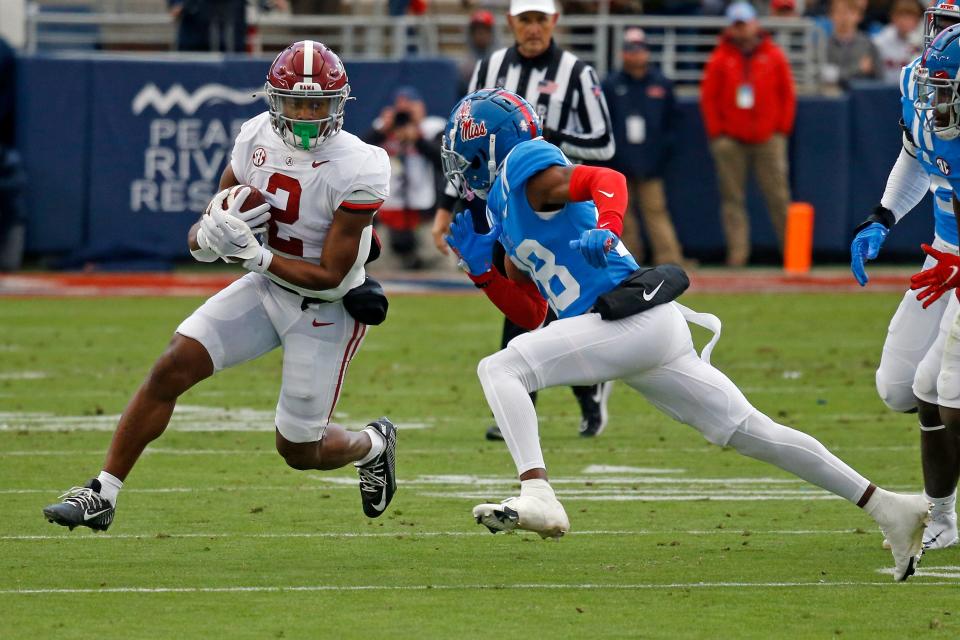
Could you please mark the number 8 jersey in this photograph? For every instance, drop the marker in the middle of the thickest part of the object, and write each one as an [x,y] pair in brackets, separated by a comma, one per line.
[304,188]
[538,242]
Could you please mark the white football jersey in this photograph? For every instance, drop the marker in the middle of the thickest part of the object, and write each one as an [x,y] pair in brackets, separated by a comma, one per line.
[304,188]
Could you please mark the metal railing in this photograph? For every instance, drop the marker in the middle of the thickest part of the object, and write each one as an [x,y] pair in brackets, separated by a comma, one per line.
[681,45]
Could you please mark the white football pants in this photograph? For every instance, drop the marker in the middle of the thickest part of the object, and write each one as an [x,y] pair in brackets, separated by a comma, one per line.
[938,375]
[253,316]
[911,334]
[653,353]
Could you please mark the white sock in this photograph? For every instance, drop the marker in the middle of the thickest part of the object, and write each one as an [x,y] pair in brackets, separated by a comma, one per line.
[507,382]
[799,453]
[110,486]
[377,443]
[537,487]
[942,506]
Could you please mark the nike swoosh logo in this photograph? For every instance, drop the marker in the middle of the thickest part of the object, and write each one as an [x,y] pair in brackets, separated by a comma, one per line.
[929,543]
[953,272]
[89,516]
[649,296]
[383,501]
[244,246]
[602,225]
[321,324]
[317,164]
[609,195]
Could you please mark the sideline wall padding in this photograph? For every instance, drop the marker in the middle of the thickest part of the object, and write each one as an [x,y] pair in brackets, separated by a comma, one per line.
[123,152]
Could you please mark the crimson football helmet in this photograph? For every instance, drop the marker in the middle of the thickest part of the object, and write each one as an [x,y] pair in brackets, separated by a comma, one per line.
[307,90]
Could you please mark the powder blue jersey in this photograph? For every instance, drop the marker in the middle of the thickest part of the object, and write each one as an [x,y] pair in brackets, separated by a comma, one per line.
[539,242]
[939,158]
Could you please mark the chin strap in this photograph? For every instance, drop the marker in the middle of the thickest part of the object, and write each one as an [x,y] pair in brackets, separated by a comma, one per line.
[492,162]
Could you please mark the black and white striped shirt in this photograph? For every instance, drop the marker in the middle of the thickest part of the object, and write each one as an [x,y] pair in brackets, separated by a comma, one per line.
[565,91]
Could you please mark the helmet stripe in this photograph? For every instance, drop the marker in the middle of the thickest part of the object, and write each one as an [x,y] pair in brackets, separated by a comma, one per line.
[523,109]
[308,60]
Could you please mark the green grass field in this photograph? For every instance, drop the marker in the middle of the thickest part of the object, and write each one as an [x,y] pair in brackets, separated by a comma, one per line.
[671,538]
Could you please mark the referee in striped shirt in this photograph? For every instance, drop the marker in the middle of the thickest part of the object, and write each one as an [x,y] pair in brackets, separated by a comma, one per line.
[567,95]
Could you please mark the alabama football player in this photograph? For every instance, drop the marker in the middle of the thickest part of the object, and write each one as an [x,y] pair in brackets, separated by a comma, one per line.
[306,290]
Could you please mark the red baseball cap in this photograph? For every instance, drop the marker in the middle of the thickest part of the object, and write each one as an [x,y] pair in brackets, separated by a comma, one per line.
[482,17]
[782,5]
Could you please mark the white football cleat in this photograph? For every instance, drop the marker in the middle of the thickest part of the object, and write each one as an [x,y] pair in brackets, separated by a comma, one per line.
[941,532]
[543,515]
[902,519]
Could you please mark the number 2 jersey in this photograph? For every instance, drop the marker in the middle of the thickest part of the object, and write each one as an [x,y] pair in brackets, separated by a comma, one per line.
[538,242]
[304,188]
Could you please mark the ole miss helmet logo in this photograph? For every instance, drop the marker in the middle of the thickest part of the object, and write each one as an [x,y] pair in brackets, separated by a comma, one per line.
[470,129]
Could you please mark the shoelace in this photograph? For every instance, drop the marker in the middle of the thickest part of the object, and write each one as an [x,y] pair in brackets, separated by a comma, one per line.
[370,482]
[83,497]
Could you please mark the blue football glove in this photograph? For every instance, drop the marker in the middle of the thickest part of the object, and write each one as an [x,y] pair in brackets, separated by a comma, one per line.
[475,249]
[865,246]
[594,245]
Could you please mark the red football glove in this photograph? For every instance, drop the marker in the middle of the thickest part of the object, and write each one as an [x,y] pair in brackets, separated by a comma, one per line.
[937,280]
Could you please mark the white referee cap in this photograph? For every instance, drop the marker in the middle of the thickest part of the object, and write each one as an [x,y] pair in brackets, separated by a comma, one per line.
[521,6]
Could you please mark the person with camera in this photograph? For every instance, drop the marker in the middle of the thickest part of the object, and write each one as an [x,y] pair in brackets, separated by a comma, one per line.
[409,136]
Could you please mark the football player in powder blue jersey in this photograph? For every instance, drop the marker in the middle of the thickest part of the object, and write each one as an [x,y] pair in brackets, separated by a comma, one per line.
[560,224]
[913,350]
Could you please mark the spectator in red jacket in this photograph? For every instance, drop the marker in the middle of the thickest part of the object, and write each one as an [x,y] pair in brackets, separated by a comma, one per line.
[748,104]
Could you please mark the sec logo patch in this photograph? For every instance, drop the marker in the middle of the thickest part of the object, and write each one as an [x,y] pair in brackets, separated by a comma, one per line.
[944,166]
[259,156]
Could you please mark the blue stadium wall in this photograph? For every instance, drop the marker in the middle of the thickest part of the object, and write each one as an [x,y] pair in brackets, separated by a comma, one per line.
[123,153]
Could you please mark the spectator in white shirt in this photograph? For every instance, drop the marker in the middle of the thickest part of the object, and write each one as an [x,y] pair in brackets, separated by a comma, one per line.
[900,41]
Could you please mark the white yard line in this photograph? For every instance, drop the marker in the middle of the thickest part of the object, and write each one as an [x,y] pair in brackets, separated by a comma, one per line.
[185,418]
[655,497]
[412,533]
[470,450]
[473,587]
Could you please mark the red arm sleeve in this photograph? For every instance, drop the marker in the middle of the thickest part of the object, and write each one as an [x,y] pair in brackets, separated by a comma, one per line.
[608,190]
[521,302]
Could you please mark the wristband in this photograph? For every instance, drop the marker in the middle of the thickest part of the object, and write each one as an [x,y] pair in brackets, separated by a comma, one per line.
[204,255]
[260,262]
[881,215]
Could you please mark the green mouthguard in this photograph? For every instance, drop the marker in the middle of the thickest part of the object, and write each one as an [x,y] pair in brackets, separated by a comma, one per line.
[304,131]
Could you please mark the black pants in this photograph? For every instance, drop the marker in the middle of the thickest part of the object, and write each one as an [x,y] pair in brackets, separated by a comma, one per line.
[212,25]
[13,209]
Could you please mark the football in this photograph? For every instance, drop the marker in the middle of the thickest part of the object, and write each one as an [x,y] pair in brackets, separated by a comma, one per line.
[255,198]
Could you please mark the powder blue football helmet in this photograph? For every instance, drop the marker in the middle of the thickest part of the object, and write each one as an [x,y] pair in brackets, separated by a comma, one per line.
[938,100]
[483,128]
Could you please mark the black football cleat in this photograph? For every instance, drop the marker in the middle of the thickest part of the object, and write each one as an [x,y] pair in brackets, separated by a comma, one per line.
[593,408]
[82,507]
[493,433]
[378,478]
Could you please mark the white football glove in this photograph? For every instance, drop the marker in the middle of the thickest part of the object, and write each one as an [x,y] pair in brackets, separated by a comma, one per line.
[206,253]
[227,236]
[255,217]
